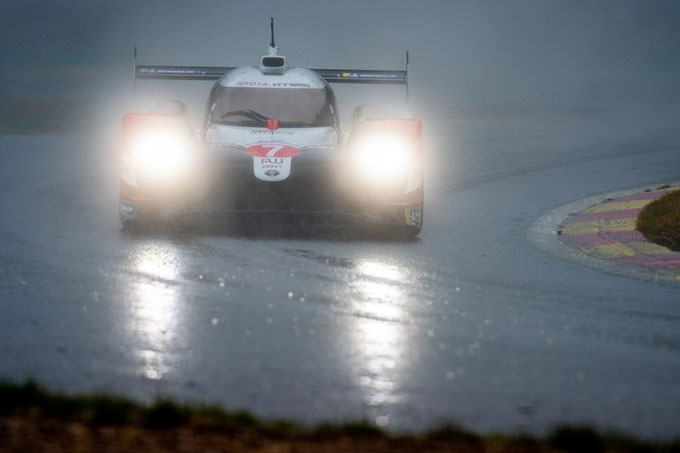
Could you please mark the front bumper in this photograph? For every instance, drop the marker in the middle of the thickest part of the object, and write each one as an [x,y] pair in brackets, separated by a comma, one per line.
[320,187]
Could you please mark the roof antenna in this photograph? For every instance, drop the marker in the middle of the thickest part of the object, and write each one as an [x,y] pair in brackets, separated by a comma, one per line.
[134,69]
[407,92]
[271,24]
[273,50]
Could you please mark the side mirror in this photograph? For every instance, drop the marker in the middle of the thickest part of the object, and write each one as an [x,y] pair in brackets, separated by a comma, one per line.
[171,107]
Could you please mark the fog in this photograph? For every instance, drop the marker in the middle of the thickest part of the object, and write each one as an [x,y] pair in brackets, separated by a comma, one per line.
[527,105]
[68,66]
[466,56]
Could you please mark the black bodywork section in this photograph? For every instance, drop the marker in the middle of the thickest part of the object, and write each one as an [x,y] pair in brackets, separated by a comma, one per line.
[312,186]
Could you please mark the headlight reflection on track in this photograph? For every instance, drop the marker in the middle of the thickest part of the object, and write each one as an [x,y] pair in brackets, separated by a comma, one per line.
[153,302]
[380,270]
[378,335]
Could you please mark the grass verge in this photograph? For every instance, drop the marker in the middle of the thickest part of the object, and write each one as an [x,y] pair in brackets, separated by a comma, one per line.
[34,419]
[659,221]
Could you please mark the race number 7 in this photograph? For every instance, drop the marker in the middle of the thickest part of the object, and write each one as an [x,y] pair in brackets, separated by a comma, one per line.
[272,149]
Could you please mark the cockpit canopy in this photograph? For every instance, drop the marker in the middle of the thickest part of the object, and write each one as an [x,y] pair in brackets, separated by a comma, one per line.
[246,97]
[292,106]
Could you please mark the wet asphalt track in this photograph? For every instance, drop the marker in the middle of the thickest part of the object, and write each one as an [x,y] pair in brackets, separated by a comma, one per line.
[469,324]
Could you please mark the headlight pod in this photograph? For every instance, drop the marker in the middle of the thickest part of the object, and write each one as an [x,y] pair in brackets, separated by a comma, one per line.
[382,156]
[161,152]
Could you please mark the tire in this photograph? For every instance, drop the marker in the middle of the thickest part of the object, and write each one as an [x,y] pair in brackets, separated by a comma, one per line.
[404,232]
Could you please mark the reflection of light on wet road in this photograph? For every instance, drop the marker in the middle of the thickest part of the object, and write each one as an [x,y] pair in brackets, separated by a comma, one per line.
[380,297]
[380,270]
[158,260]
[380,345]
[153,305]
[377,332]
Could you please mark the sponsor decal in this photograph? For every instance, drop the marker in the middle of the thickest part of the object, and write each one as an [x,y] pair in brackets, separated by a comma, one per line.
[271,162]
[279,132]
[245,83]
[291,85]
[413,216]
[127,208]
[369,75]
[169,71]
[271,168]
[261,84]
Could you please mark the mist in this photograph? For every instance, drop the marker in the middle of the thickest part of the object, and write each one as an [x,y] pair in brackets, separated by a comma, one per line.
[527,107]
[487,57]
[68,66]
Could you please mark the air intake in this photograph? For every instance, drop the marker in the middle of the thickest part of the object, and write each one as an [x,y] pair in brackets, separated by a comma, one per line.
[273,61]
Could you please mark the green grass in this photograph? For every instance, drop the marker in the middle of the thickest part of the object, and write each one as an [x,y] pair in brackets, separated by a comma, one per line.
[165,414]
[362,428]
[109,410]
[29,399]
[580,439]
[659,221]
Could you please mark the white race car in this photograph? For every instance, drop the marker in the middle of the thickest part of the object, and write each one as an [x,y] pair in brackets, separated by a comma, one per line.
[271,145]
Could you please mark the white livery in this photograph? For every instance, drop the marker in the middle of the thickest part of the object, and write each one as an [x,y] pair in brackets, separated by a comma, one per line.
[271,144]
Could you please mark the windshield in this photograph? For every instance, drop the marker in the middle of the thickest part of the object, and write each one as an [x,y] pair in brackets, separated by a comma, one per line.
[294,107]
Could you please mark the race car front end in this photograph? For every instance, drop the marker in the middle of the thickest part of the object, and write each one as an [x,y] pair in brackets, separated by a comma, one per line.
[271,143]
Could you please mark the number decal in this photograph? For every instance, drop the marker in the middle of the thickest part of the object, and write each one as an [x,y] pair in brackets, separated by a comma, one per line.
[272,150]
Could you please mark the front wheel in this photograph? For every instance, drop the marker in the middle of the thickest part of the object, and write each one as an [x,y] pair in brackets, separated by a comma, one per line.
[404,232]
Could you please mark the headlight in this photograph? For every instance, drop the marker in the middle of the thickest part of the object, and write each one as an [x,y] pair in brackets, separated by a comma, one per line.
[382,156]
[161,152]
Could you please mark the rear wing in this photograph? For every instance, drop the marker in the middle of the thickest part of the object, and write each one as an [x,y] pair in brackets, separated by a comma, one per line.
[215,72]
[373,76]
[180,72]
